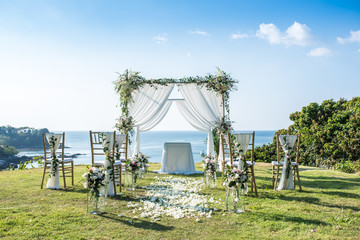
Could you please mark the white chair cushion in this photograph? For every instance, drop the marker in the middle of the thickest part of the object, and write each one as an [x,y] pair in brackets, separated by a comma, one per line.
[282,163]
[277,163]
[99,163]
[117,163]
[66,160]
[249,163]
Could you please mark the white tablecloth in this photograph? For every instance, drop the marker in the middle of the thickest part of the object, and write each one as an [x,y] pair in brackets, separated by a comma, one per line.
[177,158]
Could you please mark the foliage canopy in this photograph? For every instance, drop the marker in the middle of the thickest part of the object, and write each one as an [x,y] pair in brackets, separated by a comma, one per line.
[330,133]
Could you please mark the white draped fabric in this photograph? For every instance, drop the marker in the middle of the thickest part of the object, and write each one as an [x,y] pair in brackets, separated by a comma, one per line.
[242,142]
[202,109]
[54,181]
[287,143]
[107,143]
[119,140]
[149,107]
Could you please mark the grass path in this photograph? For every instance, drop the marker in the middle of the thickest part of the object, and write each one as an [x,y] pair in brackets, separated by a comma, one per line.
[327,208]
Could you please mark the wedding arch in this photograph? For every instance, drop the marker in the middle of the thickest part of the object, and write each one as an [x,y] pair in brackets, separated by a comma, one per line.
[144,103]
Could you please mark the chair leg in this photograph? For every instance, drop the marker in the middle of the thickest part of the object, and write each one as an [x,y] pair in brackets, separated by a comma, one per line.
[298,176]
[223,170]
[43,178]
[63,173]
[277,177]
[120,176]
[113,179]
[72,173]
[273,176]
[253,180]
[294,180]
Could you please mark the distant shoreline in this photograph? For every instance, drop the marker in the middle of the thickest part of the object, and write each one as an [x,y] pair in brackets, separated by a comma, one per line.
[15,160]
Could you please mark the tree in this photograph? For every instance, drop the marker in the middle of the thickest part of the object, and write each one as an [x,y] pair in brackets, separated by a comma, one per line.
[23,137]
[7,151]
[330,133]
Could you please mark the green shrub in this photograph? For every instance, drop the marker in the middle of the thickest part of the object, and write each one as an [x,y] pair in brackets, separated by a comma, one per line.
[348,166]
[7,151]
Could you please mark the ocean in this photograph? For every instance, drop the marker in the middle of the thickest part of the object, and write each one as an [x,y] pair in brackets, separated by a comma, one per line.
[151,143]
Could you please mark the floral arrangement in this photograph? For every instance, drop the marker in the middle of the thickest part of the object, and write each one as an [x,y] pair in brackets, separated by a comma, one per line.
[223,126]
[288,167]
[288,163]
[109,157]
[125,125]
[141,158]
[94,179]
[237,150]
[221,83]
[55,161]
[125,85]
[236,177]
[209,163]
[132,165]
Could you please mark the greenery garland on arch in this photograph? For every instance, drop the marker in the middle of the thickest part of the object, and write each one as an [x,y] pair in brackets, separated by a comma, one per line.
[131,81]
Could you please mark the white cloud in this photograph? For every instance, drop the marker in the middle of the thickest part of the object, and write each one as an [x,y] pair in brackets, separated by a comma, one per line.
[354,37]
[296,34]
[160,39]
[188,54]
[239,36]
[320,52]
[202,33]
[358,50]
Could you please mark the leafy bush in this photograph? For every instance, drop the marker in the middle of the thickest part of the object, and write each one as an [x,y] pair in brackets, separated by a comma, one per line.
[7,151]
[330,135]
[348,166]
[330,132]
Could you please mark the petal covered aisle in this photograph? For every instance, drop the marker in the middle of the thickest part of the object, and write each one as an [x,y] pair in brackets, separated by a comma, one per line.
[175,197]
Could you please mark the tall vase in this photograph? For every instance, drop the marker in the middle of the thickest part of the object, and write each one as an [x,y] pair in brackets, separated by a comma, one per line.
[210,179]
[131,180]
[235,199]
[142,171]
[97,204]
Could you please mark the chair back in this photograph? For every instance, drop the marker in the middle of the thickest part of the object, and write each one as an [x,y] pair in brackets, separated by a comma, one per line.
[251,144]
[121,148]
[227,149]
[96,140]
[279,151]
[60,152]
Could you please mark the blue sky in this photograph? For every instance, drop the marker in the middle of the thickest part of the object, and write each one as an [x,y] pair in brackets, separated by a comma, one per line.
[58,59]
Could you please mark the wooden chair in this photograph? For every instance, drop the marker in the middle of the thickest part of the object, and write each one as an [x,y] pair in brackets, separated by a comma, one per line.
[251,163]
[279,164]
[97,150]
[66,165]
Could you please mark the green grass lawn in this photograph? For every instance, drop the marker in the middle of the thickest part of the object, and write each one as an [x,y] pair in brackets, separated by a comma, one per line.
[329,203]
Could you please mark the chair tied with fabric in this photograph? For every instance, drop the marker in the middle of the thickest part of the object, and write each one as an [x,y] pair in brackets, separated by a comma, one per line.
[54,145]
[290,169]
[239,144]
[103,144]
